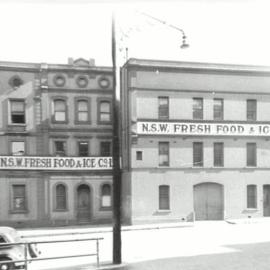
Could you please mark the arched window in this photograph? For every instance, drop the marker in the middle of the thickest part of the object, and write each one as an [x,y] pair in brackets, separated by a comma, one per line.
[59,110]
[61,197]
[251,196]
[106,197]
[164,197]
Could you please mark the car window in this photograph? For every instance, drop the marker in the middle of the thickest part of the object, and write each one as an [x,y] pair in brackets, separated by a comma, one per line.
[2,239]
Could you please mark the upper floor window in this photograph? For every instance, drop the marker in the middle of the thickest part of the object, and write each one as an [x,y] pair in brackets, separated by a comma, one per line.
[105,149]
[60,148]
[251,196]
[83,149]
[251,110]
[106,196]
[17,109]
[251,154]
[163,152]
[197,154]
[18,148]
[82,111]
[164,197]
[218,154]
[61,197]
[19,197]
[163,107]
[197,108]
[218,109]
[59,110]
[104,111]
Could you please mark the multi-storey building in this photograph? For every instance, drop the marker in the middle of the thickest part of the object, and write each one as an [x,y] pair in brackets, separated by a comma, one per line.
[55,143]
[195,141]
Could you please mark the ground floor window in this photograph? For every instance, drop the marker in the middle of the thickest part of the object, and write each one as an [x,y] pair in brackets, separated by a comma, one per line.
[251,196]
[19,197]
[164,197]
[106,196]
[61,197]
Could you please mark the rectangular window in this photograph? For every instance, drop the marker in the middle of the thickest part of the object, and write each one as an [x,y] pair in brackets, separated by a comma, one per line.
[82,108]
[164,197]
[60,110]
[60,148]
[251,196]
[139,155]
[251,155]
[197,108]
[17,108]
[163,107]
[218,109]
[83,148]
[251,110]
[163,152]
[17,148]
[19,197]
[197,154]
[105,149]
[218,154]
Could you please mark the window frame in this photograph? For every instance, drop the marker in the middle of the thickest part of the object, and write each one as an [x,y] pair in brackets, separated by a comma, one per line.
[99,102]
[139,155]
[106,208]
[251,111]
[10,111]
[221,112]
[59,98]
[12,198]
[221,158]
[65,147]
[160,153]
[100,153]
[11,140]
[76,106]
[197,111]
[78,148]
[254,157]
[161,197]
[163,108]
[201,162]
[252,199]
[56,209]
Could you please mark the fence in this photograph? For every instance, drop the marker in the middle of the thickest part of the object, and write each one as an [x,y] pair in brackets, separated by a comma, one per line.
[26,259]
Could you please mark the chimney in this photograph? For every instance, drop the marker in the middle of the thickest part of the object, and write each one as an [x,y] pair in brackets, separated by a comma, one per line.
[92,62]
[70,61]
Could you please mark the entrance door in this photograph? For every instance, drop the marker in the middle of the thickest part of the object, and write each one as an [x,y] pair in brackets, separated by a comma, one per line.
[84,204]
[266,200]
[208,201]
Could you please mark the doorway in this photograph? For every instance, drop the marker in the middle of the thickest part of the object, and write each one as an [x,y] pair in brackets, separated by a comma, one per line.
[84,203]
[266,200]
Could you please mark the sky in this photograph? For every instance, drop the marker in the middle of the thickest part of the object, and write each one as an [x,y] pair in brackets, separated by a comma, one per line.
[218,31]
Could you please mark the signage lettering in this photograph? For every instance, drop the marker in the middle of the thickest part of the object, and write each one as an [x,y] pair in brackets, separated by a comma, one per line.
[55,163]
[203,129]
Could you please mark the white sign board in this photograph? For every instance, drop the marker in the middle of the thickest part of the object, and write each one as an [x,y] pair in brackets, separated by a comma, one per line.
[55,163]
[203,129]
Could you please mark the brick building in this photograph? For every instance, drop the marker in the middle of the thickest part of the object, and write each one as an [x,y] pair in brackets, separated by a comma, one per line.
[195,141]
[55,143]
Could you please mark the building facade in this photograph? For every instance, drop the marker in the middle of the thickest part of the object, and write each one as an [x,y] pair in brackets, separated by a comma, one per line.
[195,141]
[55,143]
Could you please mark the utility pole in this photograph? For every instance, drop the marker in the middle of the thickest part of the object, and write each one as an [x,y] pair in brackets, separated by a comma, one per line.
[117,258]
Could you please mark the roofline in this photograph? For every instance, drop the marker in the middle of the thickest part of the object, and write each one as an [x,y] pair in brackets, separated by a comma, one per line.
[203,66]
[37,67]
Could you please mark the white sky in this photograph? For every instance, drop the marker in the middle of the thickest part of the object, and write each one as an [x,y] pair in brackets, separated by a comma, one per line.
[221,31]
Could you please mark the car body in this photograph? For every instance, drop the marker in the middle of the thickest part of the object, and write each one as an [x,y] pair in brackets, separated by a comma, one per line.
[14,253]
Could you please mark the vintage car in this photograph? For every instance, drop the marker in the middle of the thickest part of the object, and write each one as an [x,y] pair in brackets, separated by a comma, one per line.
[10,254]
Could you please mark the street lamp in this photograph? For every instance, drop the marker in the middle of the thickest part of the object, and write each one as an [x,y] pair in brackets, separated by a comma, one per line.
[117,177]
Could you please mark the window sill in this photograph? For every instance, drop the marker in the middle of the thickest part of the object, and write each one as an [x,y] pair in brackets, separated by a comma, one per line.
[18,211]
[164,211]
[105,209]
[82,122]
[60,210]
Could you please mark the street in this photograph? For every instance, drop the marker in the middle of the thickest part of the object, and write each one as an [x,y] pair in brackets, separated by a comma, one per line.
[206,245]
